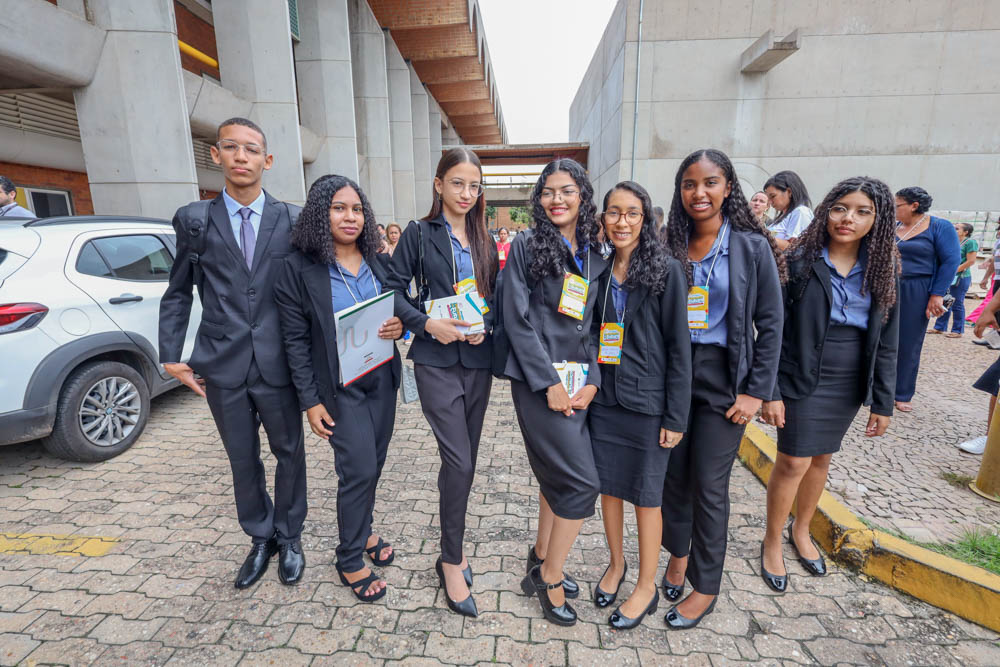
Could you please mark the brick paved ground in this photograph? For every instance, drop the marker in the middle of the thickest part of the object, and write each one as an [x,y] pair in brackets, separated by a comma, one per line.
[164,595]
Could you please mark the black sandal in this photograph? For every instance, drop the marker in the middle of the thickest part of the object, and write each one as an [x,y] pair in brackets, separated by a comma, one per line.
[374,551]
[361,585]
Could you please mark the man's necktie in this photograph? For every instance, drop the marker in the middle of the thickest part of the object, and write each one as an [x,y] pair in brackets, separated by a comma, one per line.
[248,241]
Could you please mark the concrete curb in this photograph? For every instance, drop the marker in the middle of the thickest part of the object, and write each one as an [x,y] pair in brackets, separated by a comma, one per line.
[968,591]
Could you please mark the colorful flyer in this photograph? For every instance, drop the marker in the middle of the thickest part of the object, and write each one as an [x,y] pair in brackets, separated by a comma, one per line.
[612,338]
[698,307]
[574,296]
[468,286]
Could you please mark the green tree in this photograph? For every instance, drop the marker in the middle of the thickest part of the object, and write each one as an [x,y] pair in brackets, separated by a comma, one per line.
[491,213]
[520,214]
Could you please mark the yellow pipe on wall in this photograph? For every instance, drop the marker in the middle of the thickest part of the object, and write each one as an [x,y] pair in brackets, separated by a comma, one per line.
[197,55]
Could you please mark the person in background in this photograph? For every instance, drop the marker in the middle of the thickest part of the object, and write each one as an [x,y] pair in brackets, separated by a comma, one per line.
[989,281]
[661,227]
[760,204]
[392,234]
[930,251]
[963,279]
[503,247]
[989,381]
[9,208]
[384,246]
[789,197]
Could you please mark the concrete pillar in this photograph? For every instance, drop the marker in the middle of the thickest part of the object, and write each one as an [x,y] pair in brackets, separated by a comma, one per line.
[400,132]
[326,87]
[434,126]
[371,108]
[133,114]
[423,170]
[255,62]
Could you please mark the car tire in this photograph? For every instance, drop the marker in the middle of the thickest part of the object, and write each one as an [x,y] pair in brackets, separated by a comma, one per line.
[92,424]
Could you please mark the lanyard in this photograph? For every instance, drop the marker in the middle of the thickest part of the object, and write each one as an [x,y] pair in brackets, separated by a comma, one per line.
[604,306]
[907,235]
[374,284]
[720,237]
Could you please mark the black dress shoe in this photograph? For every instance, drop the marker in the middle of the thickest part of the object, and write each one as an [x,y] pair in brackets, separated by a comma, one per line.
[620,621]
[776,582]
[533,583]
[291,563]
[603,599]
[571,589]
[256,562]
[671,592]
[677,621]
[467,573]
[466,607]
[815,567]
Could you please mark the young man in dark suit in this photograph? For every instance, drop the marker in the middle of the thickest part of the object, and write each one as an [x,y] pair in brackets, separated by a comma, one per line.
[231,248]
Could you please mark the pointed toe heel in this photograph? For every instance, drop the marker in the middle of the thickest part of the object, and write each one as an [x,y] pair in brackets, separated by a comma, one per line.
[466,607]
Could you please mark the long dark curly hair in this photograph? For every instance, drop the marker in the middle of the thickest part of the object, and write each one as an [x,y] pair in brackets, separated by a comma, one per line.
[546,245]
[735,208]
[648,265]
[311,234]
[883,263]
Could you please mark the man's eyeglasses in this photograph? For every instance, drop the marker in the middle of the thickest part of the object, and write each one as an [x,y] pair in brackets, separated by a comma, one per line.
[631,217]
[231,147]
[458,186]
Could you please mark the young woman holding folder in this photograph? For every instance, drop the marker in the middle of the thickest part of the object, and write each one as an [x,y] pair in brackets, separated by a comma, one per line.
[838,353]
[334,266]
[549,300]
[450,252]
[734,319]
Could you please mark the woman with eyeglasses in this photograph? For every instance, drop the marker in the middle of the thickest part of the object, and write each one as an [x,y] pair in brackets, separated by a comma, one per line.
[641,410]
[449,252]
[549,299]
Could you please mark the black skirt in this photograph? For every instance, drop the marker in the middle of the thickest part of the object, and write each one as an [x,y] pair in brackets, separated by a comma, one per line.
[989,381]
[816,424]
[630,462]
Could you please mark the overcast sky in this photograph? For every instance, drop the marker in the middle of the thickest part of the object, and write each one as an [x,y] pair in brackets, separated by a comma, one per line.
[540,50]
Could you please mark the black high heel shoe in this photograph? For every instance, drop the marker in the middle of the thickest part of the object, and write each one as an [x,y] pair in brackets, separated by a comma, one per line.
[466,607]
[603,599]
[467,573]
[776,582]
[571,589]
[671,592]
[677,621]
[620,621]
[815,567]
[533,583]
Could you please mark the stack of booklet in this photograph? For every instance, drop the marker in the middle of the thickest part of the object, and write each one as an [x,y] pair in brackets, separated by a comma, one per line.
[465,307]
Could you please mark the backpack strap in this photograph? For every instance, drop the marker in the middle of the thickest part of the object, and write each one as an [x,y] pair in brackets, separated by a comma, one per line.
[423,289]
[196,226]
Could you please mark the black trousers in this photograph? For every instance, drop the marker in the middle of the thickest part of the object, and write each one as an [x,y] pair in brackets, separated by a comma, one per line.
[696,490]
[364,413]
[238,414]
[454,401]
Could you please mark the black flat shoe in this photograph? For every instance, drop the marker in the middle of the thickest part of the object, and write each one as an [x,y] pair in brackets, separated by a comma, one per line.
[466,607]
[571,589]
[374,551]
[467,573]
[603,599]
[361,585]
[620,621]
[677,621]
[256,563]
[816,567]
[533,583]
[291,563]
[671,592]
[776,582]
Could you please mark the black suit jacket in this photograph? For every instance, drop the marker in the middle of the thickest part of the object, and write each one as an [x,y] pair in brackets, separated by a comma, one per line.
[807,321]
[239,320]
[540,335]
[439,272]
[305,307]
[654,376]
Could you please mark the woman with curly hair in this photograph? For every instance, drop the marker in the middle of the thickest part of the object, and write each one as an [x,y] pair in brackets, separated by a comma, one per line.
[734,275]
[549,298]
[641,410]
[450,252]
[334,266]
[838,353]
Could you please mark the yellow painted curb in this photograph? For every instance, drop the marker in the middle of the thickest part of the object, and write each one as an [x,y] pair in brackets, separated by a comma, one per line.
[966,590]
[60,545]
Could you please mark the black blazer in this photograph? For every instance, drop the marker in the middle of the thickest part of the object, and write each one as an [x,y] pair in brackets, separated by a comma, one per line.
[539,335]
[654,376]
[239,320]
[807,321]
[438,270]
[305,305]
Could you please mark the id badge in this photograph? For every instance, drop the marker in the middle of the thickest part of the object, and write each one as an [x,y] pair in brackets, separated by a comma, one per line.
[698,308]
[574,296]
[612,337]
[469,286]
[501,255]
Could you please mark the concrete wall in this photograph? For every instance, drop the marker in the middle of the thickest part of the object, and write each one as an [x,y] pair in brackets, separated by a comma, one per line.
[423,170]
[400,132]
[904,90]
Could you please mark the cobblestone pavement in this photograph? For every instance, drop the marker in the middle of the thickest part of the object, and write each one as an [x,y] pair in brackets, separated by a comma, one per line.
[896,480]
[163,595]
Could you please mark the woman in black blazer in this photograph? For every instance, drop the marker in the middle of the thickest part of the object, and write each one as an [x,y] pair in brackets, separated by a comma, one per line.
[839,353]
[733,272]
[549,300]
[335,265]
[641,409]
[447,251]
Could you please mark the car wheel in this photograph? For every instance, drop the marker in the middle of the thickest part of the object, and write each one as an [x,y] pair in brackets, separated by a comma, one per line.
[102,411]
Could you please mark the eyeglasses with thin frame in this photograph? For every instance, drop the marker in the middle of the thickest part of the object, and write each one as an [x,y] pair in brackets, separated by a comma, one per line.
[838,212]
[458,186]
[567,193]
[231,147]
[631,217]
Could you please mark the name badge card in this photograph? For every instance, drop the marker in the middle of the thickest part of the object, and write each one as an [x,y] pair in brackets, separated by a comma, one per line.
[698,307]
[574,296]
[501,255]
[468,286]
[612,337]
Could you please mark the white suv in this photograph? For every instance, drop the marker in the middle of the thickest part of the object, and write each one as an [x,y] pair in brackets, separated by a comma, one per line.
[79,311]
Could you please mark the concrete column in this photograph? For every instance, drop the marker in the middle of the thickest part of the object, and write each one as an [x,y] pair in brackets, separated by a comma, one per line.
[434,126]
[400,132]
[326,87]
[133,114]
[423,170]
[255,62]
[371,108]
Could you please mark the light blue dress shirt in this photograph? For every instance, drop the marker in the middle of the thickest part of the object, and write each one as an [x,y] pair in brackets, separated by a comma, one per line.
[580,256]
[619,295]
[848,306]
[15,210]
[236,220]
[718,291]
[463,256]
[794,224]
[345,289]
